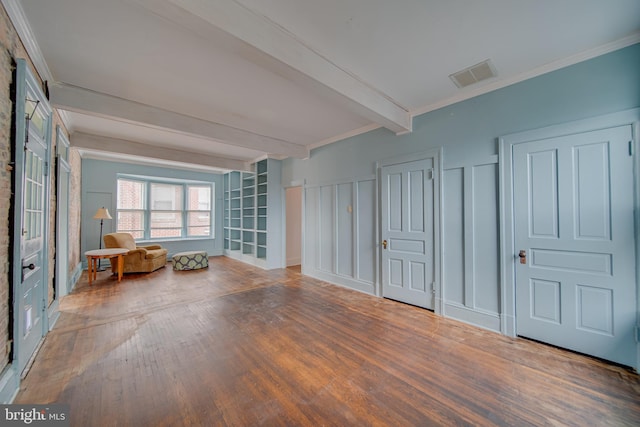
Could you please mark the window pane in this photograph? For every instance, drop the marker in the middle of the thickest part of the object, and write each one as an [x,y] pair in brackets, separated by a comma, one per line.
[166,232]
[131,194]
[166,197]
[199,198]
[199,219]
[166,220]
[199,224]
[199,231]
[137,234]
[131,221]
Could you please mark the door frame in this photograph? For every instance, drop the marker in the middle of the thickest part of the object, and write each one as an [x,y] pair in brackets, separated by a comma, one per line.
[508,257]
[62,235]
[436,155]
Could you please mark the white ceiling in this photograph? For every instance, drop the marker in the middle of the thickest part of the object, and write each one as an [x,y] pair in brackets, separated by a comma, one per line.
[219,83]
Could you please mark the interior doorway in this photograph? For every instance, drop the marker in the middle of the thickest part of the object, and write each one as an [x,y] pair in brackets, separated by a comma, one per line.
[294,226]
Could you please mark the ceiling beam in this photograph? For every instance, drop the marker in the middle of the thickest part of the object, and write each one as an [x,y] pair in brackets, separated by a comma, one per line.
[77,99]
[272,46]
[123,147]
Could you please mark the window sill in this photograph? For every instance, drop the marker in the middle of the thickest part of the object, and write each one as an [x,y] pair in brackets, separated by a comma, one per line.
[179,239]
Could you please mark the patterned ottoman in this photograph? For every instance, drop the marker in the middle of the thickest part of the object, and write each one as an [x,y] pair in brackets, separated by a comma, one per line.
[190,260]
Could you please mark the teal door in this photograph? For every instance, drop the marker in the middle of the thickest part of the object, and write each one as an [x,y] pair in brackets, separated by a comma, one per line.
[575,242]
[408,215]
[30,265]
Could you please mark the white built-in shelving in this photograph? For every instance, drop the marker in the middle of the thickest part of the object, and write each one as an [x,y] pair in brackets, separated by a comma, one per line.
[253,215]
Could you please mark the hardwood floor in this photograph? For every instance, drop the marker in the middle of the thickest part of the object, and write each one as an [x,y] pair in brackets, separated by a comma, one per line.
[235,345]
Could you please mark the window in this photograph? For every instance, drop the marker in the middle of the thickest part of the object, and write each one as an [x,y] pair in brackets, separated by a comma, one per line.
[199,210]
[166,210]
[131,207]
[156,209]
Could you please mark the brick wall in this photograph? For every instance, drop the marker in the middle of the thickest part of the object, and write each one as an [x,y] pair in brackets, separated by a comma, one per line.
[74,210]
[10,48]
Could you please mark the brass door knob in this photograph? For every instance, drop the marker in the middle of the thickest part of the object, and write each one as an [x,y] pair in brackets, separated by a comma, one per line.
[384,244]
[523,257]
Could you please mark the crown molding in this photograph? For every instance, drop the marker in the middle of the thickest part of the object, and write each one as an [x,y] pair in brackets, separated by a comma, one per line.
[23,28]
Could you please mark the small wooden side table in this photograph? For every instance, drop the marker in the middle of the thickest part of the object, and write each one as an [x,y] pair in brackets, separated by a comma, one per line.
[96,254]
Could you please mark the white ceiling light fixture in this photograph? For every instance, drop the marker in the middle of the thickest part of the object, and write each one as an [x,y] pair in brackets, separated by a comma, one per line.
[474,74]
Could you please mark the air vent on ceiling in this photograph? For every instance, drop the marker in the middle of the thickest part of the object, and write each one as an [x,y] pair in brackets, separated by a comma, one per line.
[474,74]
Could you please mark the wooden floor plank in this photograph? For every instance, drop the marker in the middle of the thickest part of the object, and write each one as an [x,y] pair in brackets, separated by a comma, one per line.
[234,345]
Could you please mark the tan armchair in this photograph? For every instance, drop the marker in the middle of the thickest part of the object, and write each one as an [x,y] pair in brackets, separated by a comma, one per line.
[139,259]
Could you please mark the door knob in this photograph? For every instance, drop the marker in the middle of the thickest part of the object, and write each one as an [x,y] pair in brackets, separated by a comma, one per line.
[523,257]
[384,244]
[30,267]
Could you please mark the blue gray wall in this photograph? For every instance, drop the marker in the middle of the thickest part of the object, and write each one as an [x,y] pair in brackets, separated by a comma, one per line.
[341,248]
[99,184]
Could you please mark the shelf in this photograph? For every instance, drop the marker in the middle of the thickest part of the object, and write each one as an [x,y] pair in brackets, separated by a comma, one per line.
[247,236]
[261,238]
[261,167]
[245,212]
[261,252]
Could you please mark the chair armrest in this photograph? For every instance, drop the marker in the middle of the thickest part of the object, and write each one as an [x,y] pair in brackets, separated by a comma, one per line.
[139,251]
[150,247]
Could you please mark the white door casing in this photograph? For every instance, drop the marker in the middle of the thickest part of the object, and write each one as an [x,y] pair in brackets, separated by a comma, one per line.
[63,172]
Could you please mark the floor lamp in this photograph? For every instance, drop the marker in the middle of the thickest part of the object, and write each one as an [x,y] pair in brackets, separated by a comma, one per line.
[101,214]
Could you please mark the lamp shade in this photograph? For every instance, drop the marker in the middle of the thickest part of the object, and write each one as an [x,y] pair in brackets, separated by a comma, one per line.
[102,213]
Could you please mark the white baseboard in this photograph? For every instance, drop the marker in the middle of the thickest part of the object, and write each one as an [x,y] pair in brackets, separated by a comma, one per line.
[294,261]
[75,277]
[9,384]
[464,314]
[347,282]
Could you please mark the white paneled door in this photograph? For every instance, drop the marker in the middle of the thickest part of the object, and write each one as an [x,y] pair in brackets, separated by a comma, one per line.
[574,239]
[407,232]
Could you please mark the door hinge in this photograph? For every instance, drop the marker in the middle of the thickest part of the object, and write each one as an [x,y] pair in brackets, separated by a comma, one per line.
[430,174]
[433,288]
[637,334]
[46,169]
[631,148]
